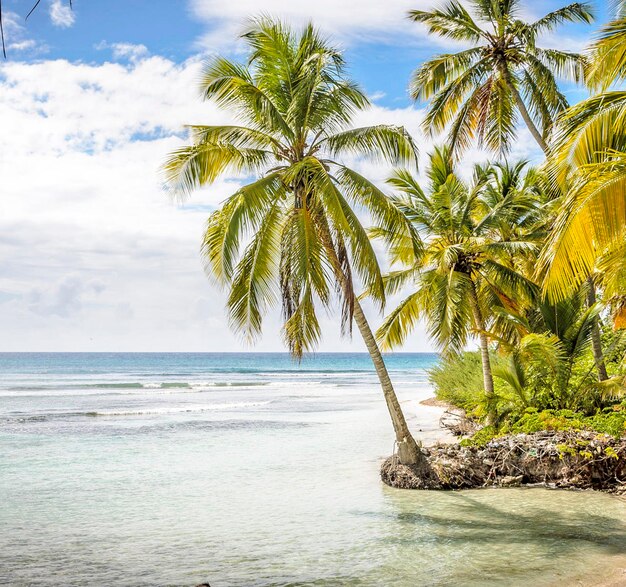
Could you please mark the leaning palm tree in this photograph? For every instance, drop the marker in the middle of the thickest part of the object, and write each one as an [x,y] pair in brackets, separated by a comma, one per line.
[292,235]
[477,92]
[463,264]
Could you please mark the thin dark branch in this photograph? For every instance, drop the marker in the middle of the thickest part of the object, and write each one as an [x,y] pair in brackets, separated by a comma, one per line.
[33,9]
[4,50]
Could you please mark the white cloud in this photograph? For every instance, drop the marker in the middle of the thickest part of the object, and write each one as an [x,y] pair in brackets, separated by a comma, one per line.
[63,299]
[130,51]
[61,14]
[369,21]
[25,45]
[82,204]
[349,21]
[95,256]
[17,39]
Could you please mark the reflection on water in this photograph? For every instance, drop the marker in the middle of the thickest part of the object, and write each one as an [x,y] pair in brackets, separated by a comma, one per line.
[269,485]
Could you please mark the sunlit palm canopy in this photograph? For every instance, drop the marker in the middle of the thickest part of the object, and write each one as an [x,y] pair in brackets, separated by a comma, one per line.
[465,242]
[608,64]
[477,93]
[588,164]
[293,233]
[612,272]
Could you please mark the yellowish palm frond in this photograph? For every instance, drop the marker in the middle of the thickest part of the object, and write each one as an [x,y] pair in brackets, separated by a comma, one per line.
[608,63]
[593,218]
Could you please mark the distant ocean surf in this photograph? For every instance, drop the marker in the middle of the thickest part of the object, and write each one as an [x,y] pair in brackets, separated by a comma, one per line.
[249,469]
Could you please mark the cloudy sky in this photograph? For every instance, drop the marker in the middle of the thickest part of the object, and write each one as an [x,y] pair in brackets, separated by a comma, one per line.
[93,254]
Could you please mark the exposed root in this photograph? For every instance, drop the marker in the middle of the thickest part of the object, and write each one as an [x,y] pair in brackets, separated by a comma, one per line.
[583,460]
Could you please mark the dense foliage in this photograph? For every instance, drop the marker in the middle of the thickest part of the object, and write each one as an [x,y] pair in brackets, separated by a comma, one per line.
[530,263]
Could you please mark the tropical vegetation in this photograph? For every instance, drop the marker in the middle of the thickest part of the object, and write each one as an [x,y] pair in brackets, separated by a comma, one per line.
[463,259]
[528,262]
[476,93]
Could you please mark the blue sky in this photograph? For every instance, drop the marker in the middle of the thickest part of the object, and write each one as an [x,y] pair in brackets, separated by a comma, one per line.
[380,60]
[93,256]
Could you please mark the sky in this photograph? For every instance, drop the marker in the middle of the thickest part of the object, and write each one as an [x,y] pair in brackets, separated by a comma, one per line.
[94,255]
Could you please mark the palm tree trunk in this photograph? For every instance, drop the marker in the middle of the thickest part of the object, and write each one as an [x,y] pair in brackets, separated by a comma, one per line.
[596,341]
[408,450]
[524,111]
[484,343]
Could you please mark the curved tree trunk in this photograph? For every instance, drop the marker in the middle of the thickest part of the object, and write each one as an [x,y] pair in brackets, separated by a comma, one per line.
[524,112]
[408,450]
[596,341]
[484,343]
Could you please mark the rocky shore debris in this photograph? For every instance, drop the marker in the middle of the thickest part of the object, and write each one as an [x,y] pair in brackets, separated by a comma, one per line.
[580,460]
[455,420]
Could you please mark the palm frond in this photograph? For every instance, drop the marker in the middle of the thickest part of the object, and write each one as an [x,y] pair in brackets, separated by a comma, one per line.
[608,56]
[386,143]
[451,21]
[363,193]
[231,85]
[576,12]
[435,74]
[593,218]
[239,217]
[189,168]
[400,322]
[253,285]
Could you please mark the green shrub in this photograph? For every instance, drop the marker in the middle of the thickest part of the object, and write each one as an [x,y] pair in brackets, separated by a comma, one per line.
[534,421]
[459,380]
[613,422]
[482,437]
[609,421]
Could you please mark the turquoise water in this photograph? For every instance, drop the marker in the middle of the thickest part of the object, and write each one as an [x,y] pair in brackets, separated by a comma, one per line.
[247,469]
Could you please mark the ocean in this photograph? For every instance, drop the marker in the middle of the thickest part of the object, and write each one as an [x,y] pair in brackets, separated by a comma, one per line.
[245,469]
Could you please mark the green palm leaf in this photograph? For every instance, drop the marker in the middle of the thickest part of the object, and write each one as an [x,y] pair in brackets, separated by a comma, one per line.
[477,93]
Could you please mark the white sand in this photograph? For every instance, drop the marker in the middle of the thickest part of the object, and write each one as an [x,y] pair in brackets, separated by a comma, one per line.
[424,421]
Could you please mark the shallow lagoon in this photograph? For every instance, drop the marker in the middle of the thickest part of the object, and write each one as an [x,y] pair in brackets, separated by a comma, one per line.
[268,484]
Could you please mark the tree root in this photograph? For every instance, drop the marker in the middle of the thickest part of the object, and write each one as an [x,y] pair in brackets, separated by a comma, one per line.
[582,460]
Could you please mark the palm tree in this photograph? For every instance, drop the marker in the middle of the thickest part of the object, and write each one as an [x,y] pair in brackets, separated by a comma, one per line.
[543,365]
[589,157]
[477,92]
[292,235]
[462,256]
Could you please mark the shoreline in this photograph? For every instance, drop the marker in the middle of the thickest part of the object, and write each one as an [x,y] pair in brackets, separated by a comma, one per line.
[423,417]
[569,460]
